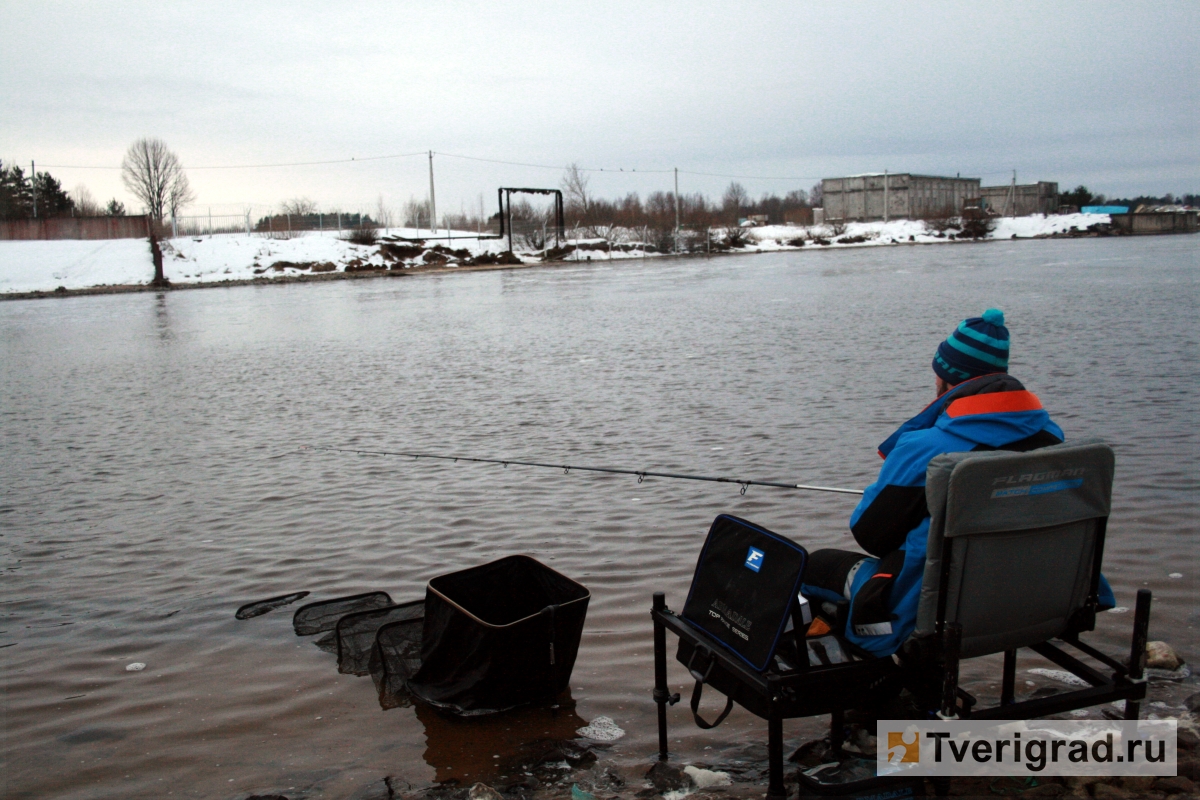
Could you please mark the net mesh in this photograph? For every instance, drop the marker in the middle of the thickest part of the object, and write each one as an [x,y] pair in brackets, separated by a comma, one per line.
[323,616]
[395,658]
[356,634]
[260,607]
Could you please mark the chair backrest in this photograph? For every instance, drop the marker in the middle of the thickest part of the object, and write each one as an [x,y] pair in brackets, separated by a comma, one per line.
[1015,542]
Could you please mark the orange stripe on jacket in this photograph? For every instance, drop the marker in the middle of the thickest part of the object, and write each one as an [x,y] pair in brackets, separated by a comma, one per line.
[994,403]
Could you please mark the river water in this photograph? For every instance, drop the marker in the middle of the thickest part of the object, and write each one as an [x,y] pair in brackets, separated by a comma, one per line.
[153,479]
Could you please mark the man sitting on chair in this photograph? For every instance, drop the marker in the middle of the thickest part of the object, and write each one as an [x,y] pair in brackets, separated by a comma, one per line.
[978,407]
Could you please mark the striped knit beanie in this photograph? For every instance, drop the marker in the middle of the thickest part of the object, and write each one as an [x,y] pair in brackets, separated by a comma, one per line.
[978,346]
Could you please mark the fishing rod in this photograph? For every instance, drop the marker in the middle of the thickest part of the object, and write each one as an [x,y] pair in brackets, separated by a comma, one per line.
[566,468]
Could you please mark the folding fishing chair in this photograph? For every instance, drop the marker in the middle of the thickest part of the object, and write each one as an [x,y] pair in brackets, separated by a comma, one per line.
[1015,546]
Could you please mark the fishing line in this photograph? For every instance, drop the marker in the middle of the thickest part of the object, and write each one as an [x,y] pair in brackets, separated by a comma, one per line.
[566,468]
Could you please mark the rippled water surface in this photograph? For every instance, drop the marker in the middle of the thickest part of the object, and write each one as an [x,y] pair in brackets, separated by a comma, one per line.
[153,479]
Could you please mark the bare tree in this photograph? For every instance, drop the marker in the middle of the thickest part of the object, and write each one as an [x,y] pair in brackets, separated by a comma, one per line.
[575,189]
[797,198]
[383,214]
[734,198]
[298,207]
[816,195]
[153,174]
[85,203]
[179,194]
[415,212]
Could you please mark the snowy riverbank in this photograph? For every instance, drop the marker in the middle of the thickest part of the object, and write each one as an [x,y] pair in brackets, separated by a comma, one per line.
[28,267]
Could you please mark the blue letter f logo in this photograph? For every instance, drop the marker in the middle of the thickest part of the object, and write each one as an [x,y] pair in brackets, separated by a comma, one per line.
[754,559]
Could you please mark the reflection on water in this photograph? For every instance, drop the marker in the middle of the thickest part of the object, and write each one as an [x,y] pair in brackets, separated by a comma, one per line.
[153,480]
[162,321]
[501,748]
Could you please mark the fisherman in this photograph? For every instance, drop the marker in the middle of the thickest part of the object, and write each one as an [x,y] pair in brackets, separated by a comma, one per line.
[978,407]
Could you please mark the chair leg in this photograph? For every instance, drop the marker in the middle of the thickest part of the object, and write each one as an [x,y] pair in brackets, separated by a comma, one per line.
[953,641]
[1008,687]
[837,730]
[1137,650]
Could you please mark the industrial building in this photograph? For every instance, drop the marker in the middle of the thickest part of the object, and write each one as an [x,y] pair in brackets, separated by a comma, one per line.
[1022,200]
[1178,220]
[882,196]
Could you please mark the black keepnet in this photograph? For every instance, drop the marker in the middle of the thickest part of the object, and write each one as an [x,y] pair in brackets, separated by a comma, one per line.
[745,609]
[356,634]
[498,636]
[323,616]
[395,658]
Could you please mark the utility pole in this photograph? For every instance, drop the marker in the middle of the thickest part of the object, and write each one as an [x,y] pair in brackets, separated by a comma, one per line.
[432,199]
[676,210]
[1013,193]
[33,183]
[885,195]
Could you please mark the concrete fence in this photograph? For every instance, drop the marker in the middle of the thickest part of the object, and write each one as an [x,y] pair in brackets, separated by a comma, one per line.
[76,228]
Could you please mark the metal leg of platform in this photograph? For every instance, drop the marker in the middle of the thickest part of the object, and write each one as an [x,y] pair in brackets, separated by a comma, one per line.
[1137,649]
[775,788]
[661,695]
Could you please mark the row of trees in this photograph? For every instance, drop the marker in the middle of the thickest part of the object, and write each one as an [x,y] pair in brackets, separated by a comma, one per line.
[150,171]
[584,209]
[1080,197]
[20,194]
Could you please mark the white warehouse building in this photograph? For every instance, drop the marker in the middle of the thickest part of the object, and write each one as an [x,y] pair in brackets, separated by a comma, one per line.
[879,196]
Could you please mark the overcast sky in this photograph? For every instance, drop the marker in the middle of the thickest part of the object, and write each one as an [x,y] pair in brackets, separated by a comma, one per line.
[1099,93]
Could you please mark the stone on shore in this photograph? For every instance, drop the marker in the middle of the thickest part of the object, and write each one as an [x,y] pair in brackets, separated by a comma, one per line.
[1160,655]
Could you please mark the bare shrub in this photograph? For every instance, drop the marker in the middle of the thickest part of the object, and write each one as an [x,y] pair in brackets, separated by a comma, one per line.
[534,238]
[977,226]
[738,237]
[941,222]
[366,236]
[661,240]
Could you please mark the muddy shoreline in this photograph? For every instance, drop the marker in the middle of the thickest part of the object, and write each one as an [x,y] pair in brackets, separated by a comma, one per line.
[318,277]
[436,269]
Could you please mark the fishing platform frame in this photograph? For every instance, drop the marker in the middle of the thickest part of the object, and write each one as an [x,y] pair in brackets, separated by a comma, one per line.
[505,193]
[967,533]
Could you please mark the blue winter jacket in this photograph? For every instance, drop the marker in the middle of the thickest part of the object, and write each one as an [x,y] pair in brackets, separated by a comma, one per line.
[992,412]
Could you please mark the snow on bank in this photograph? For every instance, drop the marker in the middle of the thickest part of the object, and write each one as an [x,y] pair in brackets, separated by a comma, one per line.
[907,231]
[205,259]
[43,266]
[30,266]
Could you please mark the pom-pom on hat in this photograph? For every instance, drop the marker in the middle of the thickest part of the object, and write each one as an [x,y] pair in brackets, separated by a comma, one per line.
[978,346]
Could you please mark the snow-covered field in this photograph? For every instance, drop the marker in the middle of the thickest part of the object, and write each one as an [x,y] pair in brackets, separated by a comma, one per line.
[43,266]
[907,231]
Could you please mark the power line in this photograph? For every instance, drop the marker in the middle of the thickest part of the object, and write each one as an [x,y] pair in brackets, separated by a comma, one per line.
[752,177]
[605,170]
[620,170]
[262,166]
[314,163]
